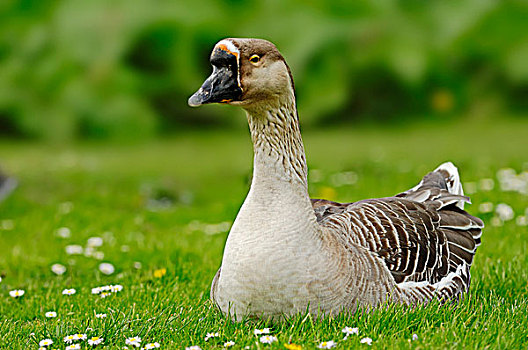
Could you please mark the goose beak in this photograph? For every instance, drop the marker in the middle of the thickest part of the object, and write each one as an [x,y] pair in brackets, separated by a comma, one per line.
[222,85]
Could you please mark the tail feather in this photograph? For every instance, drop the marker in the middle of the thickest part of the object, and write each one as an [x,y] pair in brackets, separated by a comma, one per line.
[441,191]
[445,178]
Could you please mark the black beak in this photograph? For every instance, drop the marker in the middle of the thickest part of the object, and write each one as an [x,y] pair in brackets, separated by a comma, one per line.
[222,85]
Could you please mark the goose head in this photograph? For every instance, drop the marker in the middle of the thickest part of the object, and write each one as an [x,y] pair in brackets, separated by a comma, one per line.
[247,73]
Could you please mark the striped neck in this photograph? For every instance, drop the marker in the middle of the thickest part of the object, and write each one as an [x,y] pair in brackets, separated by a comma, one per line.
[277,143]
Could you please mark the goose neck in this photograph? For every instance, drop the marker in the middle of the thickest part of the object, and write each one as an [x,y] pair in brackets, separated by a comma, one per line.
[277,144]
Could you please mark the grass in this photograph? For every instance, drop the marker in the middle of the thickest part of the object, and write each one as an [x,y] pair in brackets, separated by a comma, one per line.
[157,206]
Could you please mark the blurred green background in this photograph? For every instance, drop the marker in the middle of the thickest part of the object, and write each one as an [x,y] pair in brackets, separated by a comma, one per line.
[124,69]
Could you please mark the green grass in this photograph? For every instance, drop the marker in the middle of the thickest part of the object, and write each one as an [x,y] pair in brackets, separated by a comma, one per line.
[114,191]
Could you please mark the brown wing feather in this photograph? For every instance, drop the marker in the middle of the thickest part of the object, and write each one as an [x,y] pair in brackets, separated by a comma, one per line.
[419,240]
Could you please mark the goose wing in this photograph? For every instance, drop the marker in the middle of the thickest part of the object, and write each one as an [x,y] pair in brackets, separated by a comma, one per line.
[422,235]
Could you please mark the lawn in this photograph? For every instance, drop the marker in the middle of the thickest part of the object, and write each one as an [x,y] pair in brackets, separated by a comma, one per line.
[161,211]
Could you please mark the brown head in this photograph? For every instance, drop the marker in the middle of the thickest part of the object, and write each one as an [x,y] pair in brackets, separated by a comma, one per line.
[246,72]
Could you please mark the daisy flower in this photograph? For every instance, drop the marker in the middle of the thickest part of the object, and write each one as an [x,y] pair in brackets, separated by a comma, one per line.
[58,269]
[194,347]
[45,342]
[504,211]
[268,339]
[415,337]
[366,340]
[100,315]
[261,331]
[152,346]
[50,314]
[521,220]
[211,335]
[350,330]
[94,242]
[69,291]
[327,344]
[116,288]
[17,293]
[94,341]
[79,337]
[69,339]
[134,341]
[105,294]
[229,344]
[73,347]
[74,249]
[96,290]
[106,268]
[63,232]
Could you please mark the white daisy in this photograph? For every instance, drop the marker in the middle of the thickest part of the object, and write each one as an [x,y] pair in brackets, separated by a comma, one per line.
[73,347]
[521,220]
[350,331]
[134,341]
[69,338]
[94,242]
[105,294]
[63,232]
[58,269]
[106,268]
[70,291]
[327,344]
[211,335]
[116,288]
[486,207]
[50,314]
[45,342]
[194,347]
[96,290]
[261,331]
[366,340]
[268,339]
[100,315]
[486,184]
[94,341]
[152,346]
[74,249]
[415,337]
[504,211]
[229,344]
[17,293]
[79,336]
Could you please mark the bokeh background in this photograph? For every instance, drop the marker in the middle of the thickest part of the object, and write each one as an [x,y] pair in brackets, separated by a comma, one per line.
[123,70]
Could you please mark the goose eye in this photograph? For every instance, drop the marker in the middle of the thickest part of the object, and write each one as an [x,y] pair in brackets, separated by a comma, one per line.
[254,59]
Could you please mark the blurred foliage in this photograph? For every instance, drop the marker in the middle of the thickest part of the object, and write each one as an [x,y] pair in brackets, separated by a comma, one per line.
[124,69]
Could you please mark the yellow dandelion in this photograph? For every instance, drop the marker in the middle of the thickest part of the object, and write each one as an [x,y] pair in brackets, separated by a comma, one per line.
[160,273]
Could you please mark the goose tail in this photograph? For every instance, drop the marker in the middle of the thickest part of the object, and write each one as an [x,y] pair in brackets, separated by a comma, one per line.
[444,177]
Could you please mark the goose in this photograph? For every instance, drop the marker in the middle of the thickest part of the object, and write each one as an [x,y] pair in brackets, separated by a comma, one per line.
[287,254]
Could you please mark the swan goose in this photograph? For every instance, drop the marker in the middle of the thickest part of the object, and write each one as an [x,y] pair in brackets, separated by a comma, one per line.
[287,253]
